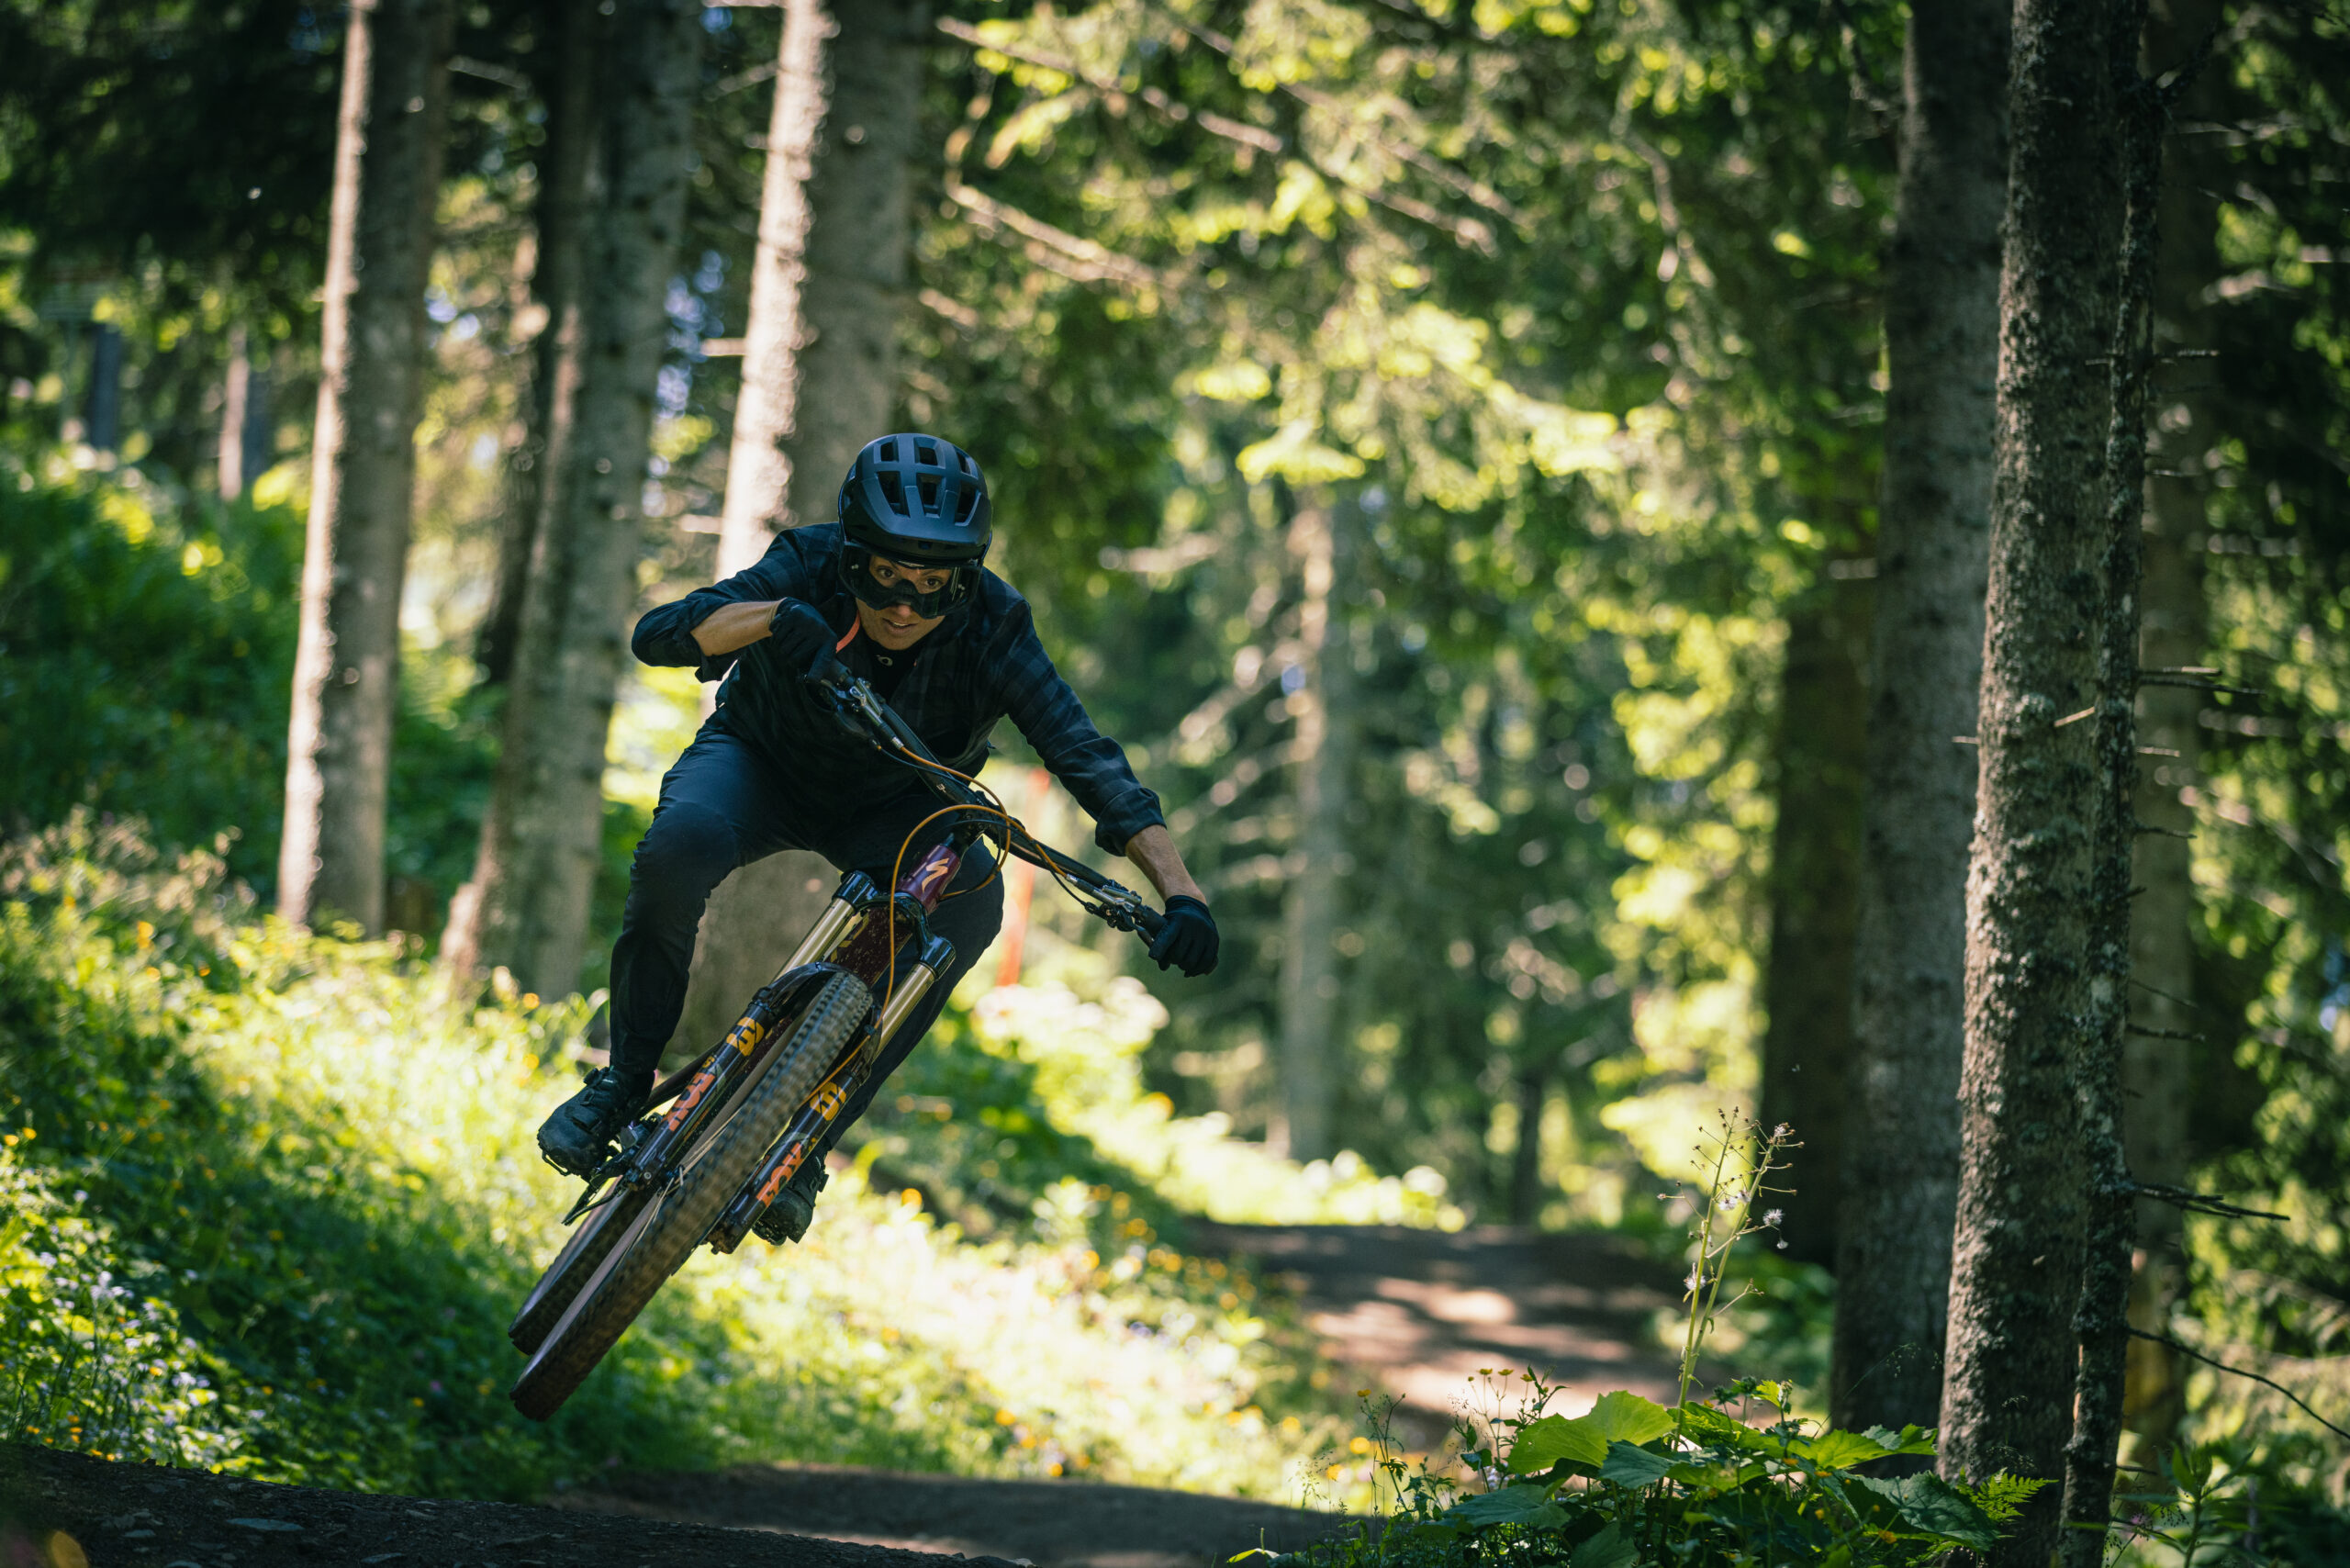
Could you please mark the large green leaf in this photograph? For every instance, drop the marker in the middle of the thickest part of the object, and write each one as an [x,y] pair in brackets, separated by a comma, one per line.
[1839,1450]
[1583,1440]
[1510,1506]
[1627,1417]
[1630,1466]
[1934,1506]
[1543,1443]
[1908,1439]
[1609,1548]
[1721,1430]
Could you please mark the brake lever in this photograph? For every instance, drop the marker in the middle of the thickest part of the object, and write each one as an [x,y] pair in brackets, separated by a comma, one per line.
[833,682]
[1120,909]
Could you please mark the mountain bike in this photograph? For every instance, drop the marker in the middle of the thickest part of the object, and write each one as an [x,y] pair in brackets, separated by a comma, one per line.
[741,1119]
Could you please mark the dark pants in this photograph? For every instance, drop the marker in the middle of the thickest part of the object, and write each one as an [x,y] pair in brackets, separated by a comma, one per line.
[724,805]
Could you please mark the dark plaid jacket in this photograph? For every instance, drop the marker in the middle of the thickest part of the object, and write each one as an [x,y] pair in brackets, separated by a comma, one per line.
[983,664]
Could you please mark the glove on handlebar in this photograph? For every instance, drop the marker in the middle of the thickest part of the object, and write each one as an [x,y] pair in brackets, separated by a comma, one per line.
[1188,941]
[802,640]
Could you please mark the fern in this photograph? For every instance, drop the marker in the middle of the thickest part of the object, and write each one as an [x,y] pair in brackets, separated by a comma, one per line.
[2003,1496]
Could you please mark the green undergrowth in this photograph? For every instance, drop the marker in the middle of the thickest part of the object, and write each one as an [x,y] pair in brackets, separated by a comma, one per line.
[146,662]
[1736,1479]
[274,1197]
[1030,1098]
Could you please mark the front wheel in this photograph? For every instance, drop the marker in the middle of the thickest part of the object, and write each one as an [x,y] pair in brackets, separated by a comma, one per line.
[671,1221]
[572,1268]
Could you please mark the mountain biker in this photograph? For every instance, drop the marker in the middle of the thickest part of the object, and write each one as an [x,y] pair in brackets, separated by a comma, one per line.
[897,592]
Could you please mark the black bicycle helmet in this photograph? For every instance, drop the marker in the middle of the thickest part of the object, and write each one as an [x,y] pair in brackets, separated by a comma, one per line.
[917,499]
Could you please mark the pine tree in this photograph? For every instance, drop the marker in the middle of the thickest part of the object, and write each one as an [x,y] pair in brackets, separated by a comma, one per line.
[346,674]
[539,842]
[819,375]
[2018,1248]
[1900,1172]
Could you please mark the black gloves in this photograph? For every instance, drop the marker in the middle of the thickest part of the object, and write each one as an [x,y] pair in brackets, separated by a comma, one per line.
[1188,940]
[802,641]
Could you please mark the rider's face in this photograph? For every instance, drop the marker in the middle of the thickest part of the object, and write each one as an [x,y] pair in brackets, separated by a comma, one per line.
[898,626]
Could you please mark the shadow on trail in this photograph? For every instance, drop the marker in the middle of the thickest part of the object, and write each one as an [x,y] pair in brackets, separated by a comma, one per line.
[1052,1524]
[1422,1311]
[1416,1312]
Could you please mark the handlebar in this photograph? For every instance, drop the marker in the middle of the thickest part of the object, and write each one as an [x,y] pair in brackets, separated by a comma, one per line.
[861,710]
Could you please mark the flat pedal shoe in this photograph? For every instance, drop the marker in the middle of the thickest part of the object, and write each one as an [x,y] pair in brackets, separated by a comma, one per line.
[577,1138]
[794,1209]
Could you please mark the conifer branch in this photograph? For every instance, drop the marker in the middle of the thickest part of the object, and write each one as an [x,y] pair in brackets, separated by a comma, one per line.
[2196,1355]
[2199,1203]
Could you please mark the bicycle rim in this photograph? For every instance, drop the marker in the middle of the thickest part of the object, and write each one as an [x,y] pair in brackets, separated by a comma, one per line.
[671,1224]
[588,1247]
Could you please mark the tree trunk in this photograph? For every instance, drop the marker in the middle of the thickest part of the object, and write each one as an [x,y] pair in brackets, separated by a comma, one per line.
[550,393]
[106,388]
[2175,634]
[1322,536]
[542,835]
[257,431]
[1525,1160]
[236,390]
[820,356]
[819,372]
[2017,1253]
[1899,1178]
[2102,1322]
[388,144]
[1815,872]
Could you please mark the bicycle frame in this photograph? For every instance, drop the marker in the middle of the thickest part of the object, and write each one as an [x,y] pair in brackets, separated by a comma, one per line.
[858,934]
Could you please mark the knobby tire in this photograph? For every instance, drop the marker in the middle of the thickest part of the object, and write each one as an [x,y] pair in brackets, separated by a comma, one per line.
[559,1286]
[668,1228]
[576,1263]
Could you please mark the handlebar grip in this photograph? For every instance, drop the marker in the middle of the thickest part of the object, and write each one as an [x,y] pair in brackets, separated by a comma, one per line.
[1149,923]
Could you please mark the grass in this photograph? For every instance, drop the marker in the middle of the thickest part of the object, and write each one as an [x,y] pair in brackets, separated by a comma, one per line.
[1033,1093]
[306,1176]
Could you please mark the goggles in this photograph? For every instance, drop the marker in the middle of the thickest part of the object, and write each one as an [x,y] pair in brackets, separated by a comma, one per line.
[856,566]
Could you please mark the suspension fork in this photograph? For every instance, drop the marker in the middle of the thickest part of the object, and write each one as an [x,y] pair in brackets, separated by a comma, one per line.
[868,955]
[729,1063]
[830,1098]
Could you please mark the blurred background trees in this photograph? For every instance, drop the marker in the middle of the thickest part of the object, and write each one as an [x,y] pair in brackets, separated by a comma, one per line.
[1448,445]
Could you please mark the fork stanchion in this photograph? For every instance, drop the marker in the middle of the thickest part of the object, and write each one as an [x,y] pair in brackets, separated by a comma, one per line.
[825,1106]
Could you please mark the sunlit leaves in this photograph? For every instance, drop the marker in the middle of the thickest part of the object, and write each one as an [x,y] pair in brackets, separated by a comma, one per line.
[1583,1440]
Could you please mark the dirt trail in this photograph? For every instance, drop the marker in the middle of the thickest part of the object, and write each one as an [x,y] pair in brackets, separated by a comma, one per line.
[1053,1524]
[1423,1311]
[62,1510]
[1416,1312]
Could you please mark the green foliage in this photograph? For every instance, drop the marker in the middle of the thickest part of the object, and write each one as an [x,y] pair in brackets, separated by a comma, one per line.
[1034,1088]
[146,658]
[94,1361]
[183,134]
[1515,282]
[312,1170]
[2213,1505]
[1731,1481]
[2272,791]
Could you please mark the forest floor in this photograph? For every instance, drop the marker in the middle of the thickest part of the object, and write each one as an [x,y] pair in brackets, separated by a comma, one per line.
[1424,1311]
[1415,1313]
